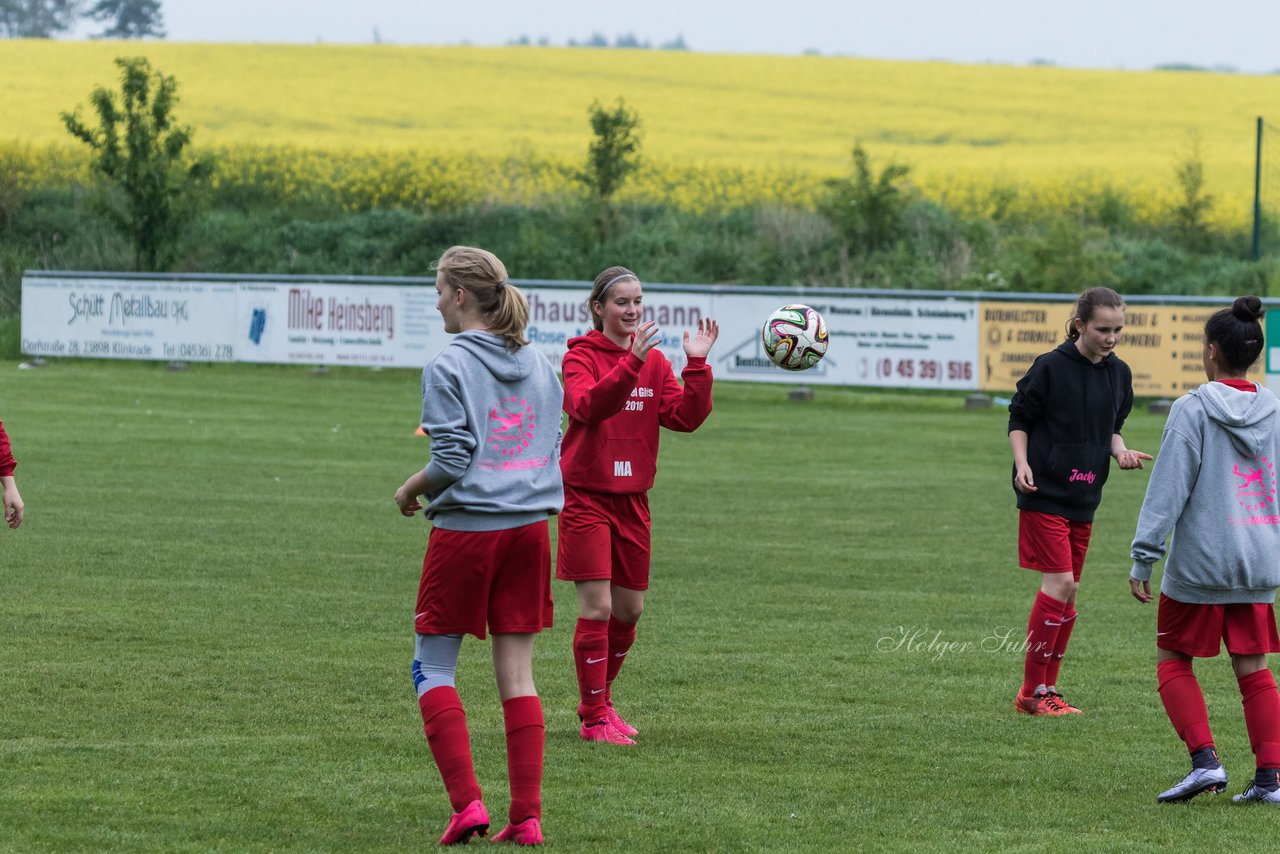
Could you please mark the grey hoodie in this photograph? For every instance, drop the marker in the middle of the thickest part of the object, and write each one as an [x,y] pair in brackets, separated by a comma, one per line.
[1214,487]
[493,416]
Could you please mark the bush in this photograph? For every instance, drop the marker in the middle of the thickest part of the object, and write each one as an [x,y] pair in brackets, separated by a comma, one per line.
[10,336]
[1066,258]
[936,247]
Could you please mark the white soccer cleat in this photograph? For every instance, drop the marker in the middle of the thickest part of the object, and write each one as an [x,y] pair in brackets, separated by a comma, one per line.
[1212,780]
[1260,796]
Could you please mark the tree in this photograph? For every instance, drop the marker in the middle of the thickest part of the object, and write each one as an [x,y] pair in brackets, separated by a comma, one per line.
[611,157]
[614,153]
[130,19]
[37,19]
[865,208]
[1190,214]
[142,151]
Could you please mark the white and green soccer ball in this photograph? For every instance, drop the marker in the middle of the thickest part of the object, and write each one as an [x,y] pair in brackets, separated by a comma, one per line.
[794,337]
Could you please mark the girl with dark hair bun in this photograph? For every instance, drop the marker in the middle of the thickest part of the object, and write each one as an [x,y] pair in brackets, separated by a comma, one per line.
[1237,332]
[1214,490]
[1064,429]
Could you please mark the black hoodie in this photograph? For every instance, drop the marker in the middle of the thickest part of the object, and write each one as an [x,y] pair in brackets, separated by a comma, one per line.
[1069,408]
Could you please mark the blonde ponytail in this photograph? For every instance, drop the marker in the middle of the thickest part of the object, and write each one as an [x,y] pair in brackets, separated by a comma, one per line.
[484,276]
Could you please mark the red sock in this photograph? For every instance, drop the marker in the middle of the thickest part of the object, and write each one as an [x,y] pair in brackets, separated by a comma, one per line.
[1060,645]
[590,652]
[1184,703]
[1262,716]
[445,724]
[621,637]
[1042,637]
[526,736]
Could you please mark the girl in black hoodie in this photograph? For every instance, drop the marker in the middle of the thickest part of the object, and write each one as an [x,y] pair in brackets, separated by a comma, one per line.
[1064,428]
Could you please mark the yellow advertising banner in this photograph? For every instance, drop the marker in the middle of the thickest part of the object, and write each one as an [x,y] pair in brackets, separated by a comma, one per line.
[1160,343]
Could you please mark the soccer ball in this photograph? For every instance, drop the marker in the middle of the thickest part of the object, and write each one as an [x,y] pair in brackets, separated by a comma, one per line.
[794,337]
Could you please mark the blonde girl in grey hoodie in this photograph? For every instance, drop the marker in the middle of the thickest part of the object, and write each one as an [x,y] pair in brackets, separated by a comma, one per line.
[491,405]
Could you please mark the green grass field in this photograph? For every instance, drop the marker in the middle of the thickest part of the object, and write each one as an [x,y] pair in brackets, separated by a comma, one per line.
[205,636]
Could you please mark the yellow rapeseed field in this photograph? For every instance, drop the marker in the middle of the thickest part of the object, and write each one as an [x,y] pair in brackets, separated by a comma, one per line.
[382,124]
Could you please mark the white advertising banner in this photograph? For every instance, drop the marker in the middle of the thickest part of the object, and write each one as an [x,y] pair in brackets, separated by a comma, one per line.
[111,318]
[338,324]
[891,342]
[898,342]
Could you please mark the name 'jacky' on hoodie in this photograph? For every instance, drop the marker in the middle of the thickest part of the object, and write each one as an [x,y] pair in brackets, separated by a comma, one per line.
[1214,488]
[493,415]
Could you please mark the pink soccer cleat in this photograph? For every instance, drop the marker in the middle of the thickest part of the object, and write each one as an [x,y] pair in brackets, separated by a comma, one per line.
[527,832]
[471,821]
[1038,703]
[1061,702]
[612,716]
[604,731]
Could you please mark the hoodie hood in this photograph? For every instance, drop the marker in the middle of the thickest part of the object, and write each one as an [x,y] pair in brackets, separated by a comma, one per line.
[1069,349]
[596,340]
[491,351]
[1240,413]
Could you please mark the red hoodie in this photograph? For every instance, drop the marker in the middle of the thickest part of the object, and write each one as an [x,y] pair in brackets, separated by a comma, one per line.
[7,463]
[616,403]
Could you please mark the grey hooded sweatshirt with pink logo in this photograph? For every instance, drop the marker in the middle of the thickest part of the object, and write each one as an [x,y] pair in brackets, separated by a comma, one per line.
[1214,488]
[493,415]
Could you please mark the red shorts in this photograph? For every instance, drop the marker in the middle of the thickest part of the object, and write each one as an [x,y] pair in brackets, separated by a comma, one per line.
[470,578]
[604,536]
[1248,628]
[1050,543]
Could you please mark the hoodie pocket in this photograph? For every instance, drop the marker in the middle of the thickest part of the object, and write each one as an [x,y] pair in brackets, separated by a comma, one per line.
[1076,473]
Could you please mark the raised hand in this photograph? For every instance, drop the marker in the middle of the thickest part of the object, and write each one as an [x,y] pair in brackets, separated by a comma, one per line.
[645,339]
[699,345]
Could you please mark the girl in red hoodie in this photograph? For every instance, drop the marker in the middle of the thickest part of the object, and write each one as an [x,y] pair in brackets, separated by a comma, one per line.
[619,389]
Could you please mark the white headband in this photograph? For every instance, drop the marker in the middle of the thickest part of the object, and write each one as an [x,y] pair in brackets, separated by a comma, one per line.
[618,278]
[615,280]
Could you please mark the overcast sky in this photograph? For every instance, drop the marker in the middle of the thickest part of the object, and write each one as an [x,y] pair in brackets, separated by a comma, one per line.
[1136,34]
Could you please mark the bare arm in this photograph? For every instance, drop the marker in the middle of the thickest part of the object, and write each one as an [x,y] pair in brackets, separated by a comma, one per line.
[407,494]
[1126,458]
[13,507]
[1023,480]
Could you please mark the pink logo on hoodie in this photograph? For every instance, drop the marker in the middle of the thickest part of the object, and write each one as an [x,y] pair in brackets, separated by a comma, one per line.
[511,426]
[1256,486]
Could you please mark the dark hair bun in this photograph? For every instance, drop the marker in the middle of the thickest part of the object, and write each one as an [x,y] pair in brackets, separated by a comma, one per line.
[1248,309]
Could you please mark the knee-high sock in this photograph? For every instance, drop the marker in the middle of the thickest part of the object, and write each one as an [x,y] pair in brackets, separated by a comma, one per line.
[1042,637]
[1068,620]
[1262,716]
[590,653]
[445,724]
[526,737]
[1184,703]
[621,637]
